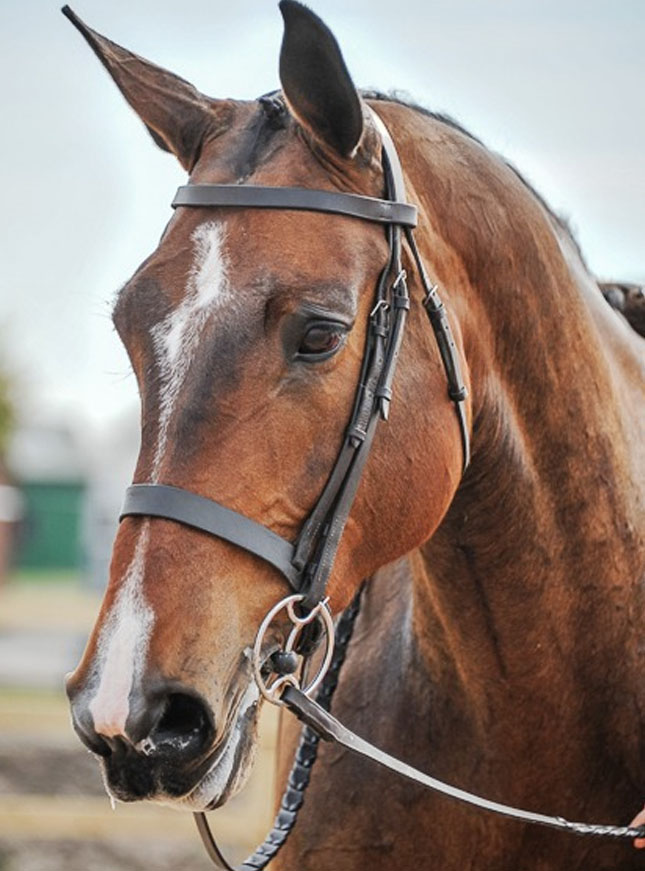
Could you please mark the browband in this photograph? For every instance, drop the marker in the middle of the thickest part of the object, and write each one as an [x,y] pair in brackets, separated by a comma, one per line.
[298,199]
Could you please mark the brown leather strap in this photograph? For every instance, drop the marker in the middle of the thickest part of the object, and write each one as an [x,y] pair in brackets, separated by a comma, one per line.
[298,199]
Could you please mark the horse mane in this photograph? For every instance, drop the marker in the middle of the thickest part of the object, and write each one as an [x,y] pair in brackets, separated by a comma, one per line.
[398,97]
[274,112]
[624,297]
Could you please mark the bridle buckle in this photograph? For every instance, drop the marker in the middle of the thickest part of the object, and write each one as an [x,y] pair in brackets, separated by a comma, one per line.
[381,304]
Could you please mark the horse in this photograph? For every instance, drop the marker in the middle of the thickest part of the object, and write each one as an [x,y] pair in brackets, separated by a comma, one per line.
[499,642]
[628,298]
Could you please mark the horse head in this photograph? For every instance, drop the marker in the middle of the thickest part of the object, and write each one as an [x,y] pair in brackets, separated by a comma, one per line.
[246,330]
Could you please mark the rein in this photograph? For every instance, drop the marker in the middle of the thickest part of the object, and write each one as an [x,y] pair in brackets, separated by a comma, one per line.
[306,564]
[319,725]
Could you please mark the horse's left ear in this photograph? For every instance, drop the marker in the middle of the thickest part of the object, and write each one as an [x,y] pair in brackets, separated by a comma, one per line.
[176,114]
[315,80]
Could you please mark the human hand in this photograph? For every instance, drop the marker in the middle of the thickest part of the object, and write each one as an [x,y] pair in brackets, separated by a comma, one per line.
[639,820]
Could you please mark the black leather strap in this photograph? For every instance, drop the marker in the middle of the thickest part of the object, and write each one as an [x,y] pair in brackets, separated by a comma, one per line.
[363,408]
[330,729]
[298,199]
[384,336]
[442,330]
[182,506]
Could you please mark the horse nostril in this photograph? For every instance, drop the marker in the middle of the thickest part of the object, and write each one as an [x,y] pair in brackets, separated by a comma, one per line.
[185,728]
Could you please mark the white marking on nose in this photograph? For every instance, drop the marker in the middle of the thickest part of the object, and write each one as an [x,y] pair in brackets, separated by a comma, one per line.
[122,647]
[176,337]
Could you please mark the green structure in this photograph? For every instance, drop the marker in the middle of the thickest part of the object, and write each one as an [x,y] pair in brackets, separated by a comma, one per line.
[46,464]
[50,536]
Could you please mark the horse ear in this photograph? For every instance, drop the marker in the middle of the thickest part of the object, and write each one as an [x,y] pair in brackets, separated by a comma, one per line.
[315,80]
[176,114]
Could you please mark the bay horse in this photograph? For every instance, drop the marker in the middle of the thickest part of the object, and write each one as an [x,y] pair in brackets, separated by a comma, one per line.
[499,644]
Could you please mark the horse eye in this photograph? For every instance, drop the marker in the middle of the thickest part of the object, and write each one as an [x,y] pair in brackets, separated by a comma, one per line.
[321,341]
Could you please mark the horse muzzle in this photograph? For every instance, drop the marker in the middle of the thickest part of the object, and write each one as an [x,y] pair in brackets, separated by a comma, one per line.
[168,746]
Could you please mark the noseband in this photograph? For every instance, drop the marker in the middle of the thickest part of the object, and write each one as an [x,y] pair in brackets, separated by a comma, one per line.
[307,563]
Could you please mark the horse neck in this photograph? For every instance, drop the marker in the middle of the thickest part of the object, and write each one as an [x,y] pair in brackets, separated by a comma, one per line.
[533,576]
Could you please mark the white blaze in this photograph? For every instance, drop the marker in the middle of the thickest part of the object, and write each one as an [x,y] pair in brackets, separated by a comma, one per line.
[122,647]
[176,337]
[123,643]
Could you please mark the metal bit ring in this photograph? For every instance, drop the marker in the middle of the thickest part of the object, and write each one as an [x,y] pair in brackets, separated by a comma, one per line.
[321,613]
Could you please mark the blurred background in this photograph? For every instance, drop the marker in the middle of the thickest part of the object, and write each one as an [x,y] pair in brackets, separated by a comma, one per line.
[557,86]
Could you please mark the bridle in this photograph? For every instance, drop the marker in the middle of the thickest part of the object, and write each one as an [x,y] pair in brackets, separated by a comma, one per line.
[307,563]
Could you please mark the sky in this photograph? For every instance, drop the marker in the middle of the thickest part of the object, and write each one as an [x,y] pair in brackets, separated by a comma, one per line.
[557,86]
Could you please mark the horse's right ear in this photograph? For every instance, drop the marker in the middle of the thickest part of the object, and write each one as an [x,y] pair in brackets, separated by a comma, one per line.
[315,81]
[175,113]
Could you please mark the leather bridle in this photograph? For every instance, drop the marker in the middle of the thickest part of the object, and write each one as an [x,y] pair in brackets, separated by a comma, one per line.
[307,563]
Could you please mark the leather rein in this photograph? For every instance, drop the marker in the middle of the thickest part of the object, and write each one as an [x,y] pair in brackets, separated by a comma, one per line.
[306,564]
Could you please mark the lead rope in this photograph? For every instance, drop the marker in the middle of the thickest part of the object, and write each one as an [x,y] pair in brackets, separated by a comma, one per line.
[303,763]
